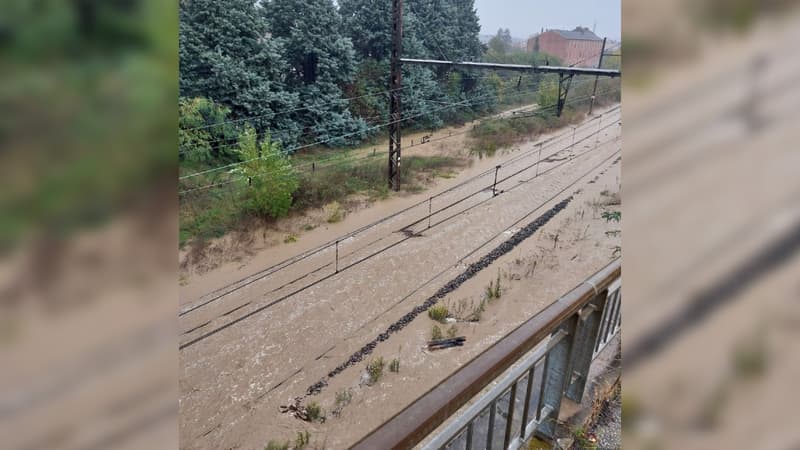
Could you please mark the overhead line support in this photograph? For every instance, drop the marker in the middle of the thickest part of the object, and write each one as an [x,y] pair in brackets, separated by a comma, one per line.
[395,86]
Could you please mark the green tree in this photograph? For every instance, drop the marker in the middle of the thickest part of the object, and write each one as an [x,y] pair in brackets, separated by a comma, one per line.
[320,60]
[501,42]
[227,54]
[204,134]
[267,173]
[548,95]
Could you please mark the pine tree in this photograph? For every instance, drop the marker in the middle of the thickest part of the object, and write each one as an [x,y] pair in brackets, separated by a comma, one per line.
[228,55]
[320,60]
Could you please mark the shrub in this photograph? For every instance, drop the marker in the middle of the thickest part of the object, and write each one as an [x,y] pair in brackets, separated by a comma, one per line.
[452,331]
[497,290]
[303,439]
[490,290]
[315,413]
[394,366]
[436,333]
[612,215]
[267,175]
[493,291]
[343,398]
[201,123]
[272,445]
[335,212]
[438,313]
[290,239]
[375,369]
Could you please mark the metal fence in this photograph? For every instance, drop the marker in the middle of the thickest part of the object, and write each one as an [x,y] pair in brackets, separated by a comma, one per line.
[532,368]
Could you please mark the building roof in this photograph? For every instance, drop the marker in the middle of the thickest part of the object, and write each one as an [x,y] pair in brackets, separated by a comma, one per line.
[583,35]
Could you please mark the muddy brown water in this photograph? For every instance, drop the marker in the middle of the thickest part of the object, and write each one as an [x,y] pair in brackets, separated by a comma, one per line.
[233,382]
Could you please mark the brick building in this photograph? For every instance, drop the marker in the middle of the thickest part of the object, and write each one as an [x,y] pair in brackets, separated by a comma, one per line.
[580,46]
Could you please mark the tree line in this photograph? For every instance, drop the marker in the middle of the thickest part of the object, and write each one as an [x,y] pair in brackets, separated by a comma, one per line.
[311,71]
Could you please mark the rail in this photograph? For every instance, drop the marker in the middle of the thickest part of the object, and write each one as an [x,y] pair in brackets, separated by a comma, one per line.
[549,357]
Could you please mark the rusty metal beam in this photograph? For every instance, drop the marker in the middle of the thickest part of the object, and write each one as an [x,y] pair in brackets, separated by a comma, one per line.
[416,421]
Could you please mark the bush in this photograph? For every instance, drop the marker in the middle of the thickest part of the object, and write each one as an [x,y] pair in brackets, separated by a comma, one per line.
[343,398]
[438,313]
[335,212]
[436,333]
[375,369]
[272,445]
[203,134]
[267,175]
[315,413]
[394,366]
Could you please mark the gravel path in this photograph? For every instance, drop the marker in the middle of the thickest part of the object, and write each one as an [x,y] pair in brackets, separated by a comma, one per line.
[608,430]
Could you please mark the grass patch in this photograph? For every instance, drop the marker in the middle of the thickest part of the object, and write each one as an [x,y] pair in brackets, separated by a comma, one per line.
[212,213]
[611,215]
[438,313]
[334,212]
[302,440]
[290,239]
[315,412]
[394,366]
[452,331]
[343,398]
[436,333]
[273,445]
[584,440]
[494,291]
[468,311]
[492,135]
[375,369]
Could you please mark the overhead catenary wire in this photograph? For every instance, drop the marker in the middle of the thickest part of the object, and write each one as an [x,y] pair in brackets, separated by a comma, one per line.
[323,141]
[286,152]
[421,112]
[341,160]
[283,298]
[266,272]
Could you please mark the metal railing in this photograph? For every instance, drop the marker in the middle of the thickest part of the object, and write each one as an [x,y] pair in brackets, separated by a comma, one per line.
[532,368]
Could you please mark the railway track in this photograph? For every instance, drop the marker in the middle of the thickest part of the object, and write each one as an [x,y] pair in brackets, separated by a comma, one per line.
[242,301]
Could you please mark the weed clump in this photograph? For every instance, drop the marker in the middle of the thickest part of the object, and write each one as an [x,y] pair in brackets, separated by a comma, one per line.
[302,440]
[315,412]
[438,313]
[343,398]
[394,366]
[272,445]
[494,291]
[436,333]
[452,331]
[335,212]
[375,369]
[611,215]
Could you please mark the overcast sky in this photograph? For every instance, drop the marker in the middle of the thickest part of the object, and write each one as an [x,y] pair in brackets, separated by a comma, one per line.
[526,17]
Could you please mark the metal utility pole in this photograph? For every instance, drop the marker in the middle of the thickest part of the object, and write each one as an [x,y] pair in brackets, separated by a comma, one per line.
[599,66]
[395,86]
[564,82]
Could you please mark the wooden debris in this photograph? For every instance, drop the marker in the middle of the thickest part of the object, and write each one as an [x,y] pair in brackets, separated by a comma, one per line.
[439,344]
